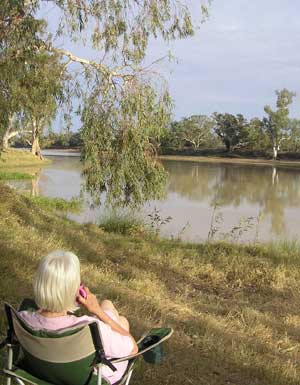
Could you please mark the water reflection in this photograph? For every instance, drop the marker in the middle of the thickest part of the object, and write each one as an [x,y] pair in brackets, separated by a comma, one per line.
[272,190]
[27,186]
[271,195]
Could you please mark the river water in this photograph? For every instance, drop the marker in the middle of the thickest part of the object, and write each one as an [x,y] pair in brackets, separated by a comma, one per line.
[223,201]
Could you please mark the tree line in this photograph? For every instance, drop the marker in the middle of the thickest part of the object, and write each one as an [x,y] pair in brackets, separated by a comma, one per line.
[59,140]
[234,133]
[275,132]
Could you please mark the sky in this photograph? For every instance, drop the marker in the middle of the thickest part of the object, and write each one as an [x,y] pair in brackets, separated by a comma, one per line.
[238,58]
[245,51]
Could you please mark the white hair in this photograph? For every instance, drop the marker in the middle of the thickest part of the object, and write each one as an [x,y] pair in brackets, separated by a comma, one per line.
[57,281]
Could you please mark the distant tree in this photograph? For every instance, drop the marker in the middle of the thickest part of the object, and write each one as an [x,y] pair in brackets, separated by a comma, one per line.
[170,137]
[277,122]
[257,138]
[195,130]
[293,142]
[64,139]
[75,140]
[232,130]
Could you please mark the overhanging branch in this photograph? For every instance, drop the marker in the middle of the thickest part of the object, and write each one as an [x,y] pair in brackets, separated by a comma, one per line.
[91,63]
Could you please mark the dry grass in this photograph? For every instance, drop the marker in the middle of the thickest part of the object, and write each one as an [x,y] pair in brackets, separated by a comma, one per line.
[20,158]
[235,309]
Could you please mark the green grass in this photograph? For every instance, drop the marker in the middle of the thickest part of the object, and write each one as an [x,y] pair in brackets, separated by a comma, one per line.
[19,158]
[235,309]
[123,223]
[59,204]
[4,175]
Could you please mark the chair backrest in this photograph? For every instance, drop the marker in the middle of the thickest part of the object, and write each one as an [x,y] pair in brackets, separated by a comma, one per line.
[63,357]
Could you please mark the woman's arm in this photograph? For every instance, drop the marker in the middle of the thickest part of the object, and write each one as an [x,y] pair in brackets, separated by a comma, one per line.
[92,305]
[116,327]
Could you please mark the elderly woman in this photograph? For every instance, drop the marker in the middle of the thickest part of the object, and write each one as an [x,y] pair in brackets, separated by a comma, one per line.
[56,291]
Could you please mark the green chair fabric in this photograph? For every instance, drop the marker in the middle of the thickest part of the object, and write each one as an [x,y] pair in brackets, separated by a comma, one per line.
[67,357]
[25,376]
[61,358]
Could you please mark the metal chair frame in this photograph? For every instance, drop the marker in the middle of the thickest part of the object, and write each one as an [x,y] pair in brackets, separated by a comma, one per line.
[10,374]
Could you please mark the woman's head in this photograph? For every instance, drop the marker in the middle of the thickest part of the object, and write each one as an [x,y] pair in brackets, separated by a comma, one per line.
[57,281]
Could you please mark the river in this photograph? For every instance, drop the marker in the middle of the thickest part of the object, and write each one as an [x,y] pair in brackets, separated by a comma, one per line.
[234,202]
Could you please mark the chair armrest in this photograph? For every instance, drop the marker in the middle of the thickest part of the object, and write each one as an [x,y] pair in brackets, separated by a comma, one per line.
[145,349]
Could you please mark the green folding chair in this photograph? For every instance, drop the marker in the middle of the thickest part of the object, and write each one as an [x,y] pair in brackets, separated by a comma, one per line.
[70,356]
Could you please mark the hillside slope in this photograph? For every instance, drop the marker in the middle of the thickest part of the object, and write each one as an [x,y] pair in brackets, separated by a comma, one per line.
[235,310]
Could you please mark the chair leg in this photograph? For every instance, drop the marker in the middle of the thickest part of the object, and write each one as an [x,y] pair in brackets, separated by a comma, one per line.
[9,362]
[19,381]
[99,375]
[129,377]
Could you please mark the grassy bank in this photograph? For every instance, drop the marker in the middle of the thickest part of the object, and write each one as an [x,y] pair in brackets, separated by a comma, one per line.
[59,204]
[19,158]
[4,175]
[235,309]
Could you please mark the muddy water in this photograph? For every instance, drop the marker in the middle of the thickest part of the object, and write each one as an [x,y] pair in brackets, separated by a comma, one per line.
[227,201]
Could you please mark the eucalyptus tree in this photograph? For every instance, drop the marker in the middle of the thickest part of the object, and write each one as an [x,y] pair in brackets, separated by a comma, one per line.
[195,130]
[232,130]
[43,92]
[277,122]
[293,143]
[30,97]
[18,35]
[122,102]
[10,112]
[31,79]
[257,138]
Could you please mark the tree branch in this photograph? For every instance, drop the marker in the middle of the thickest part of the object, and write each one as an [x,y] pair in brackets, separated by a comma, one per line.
[12,134]
[85,62]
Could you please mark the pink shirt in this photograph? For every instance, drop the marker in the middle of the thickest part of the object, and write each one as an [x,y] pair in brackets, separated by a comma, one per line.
[114,344]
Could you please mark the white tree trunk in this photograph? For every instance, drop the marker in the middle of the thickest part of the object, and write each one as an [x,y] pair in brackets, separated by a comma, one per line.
[8,134]
[275,151]
[5,142]
[35,147]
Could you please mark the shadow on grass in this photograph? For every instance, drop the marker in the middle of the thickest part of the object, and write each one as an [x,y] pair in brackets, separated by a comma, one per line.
[233,309]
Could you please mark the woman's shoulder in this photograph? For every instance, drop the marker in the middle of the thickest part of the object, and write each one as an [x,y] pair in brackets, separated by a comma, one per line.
[37,320]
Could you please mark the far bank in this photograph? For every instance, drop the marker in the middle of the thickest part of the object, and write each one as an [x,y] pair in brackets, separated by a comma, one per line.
[233,160]
[209,158]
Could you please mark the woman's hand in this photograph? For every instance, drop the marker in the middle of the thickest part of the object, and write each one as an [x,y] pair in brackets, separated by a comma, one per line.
[90,302]
[92,305]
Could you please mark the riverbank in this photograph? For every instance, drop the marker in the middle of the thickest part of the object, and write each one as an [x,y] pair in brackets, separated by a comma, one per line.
[13,158]
[235,309]
[227,160]
[293,163]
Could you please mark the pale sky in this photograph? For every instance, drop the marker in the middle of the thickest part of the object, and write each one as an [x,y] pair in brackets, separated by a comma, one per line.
[237,59]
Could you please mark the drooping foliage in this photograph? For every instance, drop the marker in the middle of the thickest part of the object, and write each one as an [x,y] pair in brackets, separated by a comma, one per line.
[122,103]
[118,152]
